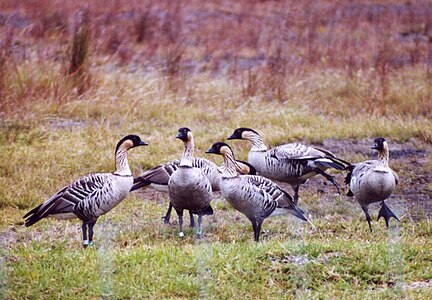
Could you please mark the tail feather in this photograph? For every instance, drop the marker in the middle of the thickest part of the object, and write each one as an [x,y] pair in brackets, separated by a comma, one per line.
[208,211]
[58,204]
[347,179]
[290,205]
[330,155]
[32,220]
[36,214]
[341,161]
[158,175]
[298,213]
[350,170]
[32,216]
[139,183]
[34,210]
[329,162]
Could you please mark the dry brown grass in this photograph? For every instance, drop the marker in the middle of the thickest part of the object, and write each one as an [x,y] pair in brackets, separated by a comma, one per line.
[378,52]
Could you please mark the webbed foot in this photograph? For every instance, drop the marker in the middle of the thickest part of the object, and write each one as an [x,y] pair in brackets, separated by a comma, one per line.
[386,213]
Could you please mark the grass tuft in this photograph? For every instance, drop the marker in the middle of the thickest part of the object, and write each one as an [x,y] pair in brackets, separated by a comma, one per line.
[78,68]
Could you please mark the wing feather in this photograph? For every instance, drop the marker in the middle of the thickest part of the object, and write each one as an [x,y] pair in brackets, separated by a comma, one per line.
[66,200]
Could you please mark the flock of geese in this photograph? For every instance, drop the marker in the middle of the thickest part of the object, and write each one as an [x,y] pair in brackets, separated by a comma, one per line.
[247,186]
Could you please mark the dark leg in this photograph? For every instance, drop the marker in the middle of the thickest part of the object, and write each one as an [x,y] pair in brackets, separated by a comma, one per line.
[256,225]
[84,231]
[328,177]
[180,216]
[386,213]
[259,223]
[168,214]
[296,193]
[192,220]
[90,229]
[199,228]
[368,217]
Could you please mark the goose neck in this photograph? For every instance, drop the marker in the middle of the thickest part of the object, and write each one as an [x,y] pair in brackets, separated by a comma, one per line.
[188,151]
[121,162]
[229,166]
[257,143]
[383,156]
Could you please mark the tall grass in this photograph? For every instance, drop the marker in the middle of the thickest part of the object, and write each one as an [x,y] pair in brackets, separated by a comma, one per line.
[261,46]
[5,65]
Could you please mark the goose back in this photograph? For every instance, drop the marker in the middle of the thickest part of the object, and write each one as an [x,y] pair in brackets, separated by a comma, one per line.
[291,163]
[108,191]
[247,198]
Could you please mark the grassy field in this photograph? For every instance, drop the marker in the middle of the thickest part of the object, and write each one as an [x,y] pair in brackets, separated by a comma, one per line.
[336,84]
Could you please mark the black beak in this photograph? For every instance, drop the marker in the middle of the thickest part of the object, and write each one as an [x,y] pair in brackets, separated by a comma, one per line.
[233,136]
[212,150]
[141,143]
[181,136]
[375,146]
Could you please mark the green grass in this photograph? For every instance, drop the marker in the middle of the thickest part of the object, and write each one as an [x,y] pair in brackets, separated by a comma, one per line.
[144,259]
[136,256]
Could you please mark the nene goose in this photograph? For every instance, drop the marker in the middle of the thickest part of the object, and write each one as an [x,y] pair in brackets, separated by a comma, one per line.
[188,187]
[92,195]
[254,196]
[292,163]
[159,176]
[373,181]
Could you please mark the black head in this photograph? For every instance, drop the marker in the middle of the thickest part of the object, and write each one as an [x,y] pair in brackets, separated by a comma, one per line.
[184,134]
[219,148]
[131,141]
[378,144]
[238,133]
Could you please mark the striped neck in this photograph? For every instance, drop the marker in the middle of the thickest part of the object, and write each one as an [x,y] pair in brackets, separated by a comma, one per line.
[187,157]
[121,161]
[240,169]
[383,157]
[256,141]
[229,165]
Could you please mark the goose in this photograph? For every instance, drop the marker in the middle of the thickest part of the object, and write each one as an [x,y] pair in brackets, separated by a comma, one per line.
[92,195]
[292,163]
[158,177]
[188,187]
[373,181]
[254,196]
